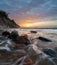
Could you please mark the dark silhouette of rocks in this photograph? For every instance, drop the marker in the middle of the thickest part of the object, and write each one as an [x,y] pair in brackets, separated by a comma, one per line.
[33,31]
[13,35]
[44,39]
[6,22]
[5,33]
[19,39]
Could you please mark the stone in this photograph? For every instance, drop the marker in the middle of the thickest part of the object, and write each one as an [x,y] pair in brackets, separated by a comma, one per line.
[33,31]
[13,35]
[50,52]
[44,39]
[5,33]
[45,62]
[19,39]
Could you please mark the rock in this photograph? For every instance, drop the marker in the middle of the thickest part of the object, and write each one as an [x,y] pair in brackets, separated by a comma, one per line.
[5,33]
[55,49]
[55,60]
[45,62]
[11,56]
[19,39]
[44,39]
[23,40]
[13,35]
[33,31]
[50,52]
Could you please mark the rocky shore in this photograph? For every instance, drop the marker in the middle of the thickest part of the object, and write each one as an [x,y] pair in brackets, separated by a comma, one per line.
[18,49]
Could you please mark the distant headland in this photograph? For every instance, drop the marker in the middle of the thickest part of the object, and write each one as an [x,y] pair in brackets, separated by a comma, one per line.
[6,22]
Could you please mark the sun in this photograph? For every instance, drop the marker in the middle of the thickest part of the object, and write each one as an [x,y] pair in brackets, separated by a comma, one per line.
[27,25]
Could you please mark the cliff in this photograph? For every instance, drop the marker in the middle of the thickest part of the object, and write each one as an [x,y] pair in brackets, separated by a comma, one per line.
[6,22]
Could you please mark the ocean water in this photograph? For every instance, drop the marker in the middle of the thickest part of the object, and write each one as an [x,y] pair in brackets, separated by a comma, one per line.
[34,51]
[49,33]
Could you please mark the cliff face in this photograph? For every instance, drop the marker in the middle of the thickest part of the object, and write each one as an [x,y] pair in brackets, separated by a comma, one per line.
[6,22]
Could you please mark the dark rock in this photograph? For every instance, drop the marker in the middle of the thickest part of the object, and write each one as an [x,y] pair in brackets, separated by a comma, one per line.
[5,33]
[33,31]
[55,60]
[55,49]
[13,35]
[22,40]
[44,39]
[19,39]
[45,62]
[50,52]
[3,14]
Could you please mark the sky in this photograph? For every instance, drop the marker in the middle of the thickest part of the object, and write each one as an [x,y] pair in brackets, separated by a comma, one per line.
[32,13]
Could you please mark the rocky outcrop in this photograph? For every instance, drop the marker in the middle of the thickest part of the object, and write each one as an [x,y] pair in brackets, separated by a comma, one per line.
[6,22]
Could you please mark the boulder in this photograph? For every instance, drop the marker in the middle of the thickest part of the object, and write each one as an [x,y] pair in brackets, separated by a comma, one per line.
[45,62]
[55,60]
[33,31]
[5,33]
[50,52]
[19,39]
[13,35]
[44,39]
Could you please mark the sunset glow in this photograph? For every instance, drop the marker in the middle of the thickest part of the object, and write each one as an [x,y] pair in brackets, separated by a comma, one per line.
[26,25]
[32,13]
[35,24]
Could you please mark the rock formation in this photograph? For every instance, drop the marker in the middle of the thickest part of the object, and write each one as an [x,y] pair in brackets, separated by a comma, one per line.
[6,22]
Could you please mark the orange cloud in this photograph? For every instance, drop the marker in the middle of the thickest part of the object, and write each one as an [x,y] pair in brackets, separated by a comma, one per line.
[28,21]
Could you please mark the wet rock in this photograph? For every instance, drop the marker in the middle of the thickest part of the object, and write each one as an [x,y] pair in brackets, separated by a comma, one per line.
[45,62]
[10,56]
[2,38]
[5,33]
[22,40]
[13,35]
[55,49]
[50,52]
[55,60]
[44,39]
[19,39]
[33,31]
[34,53]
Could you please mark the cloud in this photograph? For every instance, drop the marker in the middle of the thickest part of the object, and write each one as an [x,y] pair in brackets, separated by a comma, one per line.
[22,9]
